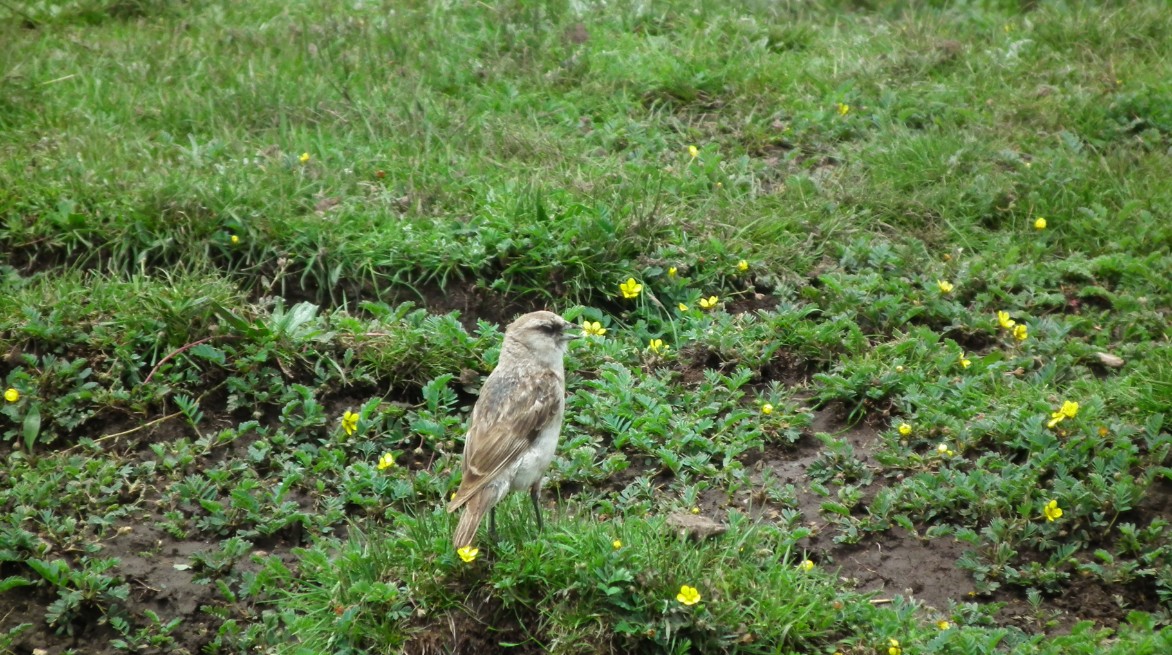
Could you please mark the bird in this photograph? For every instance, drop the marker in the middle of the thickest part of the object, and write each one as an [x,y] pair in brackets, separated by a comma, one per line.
[515,422]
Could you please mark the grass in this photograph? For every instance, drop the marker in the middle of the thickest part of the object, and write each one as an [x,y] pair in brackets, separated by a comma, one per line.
[223,225]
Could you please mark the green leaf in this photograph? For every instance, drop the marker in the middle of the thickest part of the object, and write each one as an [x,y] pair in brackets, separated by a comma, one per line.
[210,353]
[12,582]
[32,425]
[837,508]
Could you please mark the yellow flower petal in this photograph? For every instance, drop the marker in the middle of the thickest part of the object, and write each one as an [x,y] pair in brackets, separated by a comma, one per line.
[688,595]
[468,553]
[1021,332]
[349,422]
[386,461]
[1004,321]
[944,285]
[806,565]
[743,265]
[905,429]
[630,289]
[594,329]
[304,158]
[693,151]
[767,409]
[1039,223]
[682,307]
[1052,511]
[11,395]
[671,272]
[617,544]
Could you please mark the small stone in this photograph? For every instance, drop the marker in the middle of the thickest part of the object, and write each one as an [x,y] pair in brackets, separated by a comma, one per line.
[694,526]
[1107,359]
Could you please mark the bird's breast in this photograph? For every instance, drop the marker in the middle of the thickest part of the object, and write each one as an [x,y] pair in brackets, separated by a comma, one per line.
[532,464]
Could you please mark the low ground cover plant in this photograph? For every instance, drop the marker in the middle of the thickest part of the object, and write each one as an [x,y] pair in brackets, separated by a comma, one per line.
[874,298]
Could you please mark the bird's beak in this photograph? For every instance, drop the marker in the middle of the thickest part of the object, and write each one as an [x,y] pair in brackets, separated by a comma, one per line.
[571,332]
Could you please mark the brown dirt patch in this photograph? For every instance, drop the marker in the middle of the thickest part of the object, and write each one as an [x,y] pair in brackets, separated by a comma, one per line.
[483,625]
[897,563]
[161,578]
[753,302]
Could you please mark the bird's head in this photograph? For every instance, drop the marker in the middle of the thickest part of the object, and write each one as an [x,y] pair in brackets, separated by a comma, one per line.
[545,334]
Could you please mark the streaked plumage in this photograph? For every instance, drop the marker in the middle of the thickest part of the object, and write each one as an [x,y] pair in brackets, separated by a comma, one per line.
[516,421]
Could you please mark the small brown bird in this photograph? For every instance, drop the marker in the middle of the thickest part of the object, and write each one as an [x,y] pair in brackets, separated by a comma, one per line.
[515,423]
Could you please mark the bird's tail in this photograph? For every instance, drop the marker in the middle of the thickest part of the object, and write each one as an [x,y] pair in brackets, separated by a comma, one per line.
[475,508]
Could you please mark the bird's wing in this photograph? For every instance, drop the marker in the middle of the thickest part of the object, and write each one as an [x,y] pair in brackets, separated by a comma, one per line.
[511,412]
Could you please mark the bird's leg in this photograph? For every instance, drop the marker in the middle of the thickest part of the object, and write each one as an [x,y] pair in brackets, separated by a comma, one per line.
[492,523]
[535,496]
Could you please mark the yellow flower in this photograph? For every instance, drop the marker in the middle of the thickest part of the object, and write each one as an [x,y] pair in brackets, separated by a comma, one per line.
[682,307]
[1068,410]
[658,347]
[905,429]
[694,151]
[671,272]
[964,361]
[1103,431]
[1004,320]
[709,302]
[468,553]
[943,625]
[594,329]
[1053,511]
[944,450]
[899,368]
[767,409]
[843,108]
[617,544]
[688,595]
[894,648]
[1039,223]
[806,565]
[234,239]
[742,265]
[304,158]
[1021,332]
[631,288]
[695,510]
[945,286]
[11,395]
[386,461]
[350,422]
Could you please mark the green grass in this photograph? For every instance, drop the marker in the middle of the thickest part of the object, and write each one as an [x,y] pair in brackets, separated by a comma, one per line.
[223,225]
